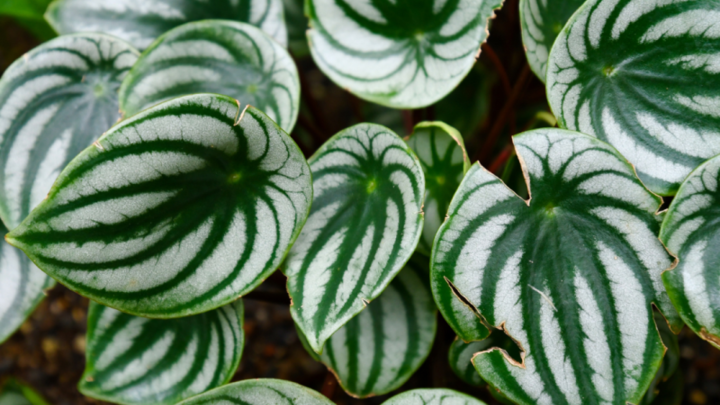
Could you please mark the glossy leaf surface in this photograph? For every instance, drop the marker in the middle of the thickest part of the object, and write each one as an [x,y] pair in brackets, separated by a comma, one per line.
[399,54]
[691,231]
[175,211]
[444,160]
[435,396]
[259,392]
[643,76]
[541,21]
[570,275]
[378,350]
[365,222]
[141,21]
[134,360]
[216,56]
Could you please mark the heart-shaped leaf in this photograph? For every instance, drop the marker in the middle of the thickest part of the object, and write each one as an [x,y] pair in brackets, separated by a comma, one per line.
[541,21]
[460,358]
[691,231]
[570,275]
[444,160]
[642,75]
[175,211]
[54,101]
[365,222]
[260,391]
[224,57]
[399,54]
[141,21]
[437,396]
[378,350]
[134,360]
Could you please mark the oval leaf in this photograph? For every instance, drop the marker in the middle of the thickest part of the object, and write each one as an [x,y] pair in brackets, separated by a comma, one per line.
[378,350]
[175,211]
[435,396]
[541,21]
[642,75]
[570,275]
[365,222]
[141,21]
[442,154]
[260,392]
[691,231]
[460,358]
[223,57]
[133,360]
[398,54]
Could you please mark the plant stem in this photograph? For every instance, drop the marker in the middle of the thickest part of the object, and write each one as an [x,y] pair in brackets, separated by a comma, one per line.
[490,53]
[271,297]
[328,388]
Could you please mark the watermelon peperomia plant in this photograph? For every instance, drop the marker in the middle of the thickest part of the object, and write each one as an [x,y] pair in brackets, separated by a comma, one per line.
[167,185]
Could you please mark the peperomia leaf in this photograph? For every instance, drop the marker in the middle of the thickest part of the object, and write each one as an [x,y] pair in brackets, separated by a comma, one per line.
[378,350]
[398,53]
[15,393]
[175,211]
[141,21]
[134,360]
[259,392]
[541,22]
[691,231]
[444,160]
[365,222]
[570,275]
[663,389]
[216,56]
[437,396]
[297,24]
[460,358]
[643,76]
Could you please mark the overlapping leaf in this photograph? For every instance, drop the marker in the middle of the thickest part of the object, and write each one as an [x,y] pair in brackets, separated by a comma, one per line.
[175,211]
[460,358]
[216,56]
[541,21]
[259,392]
[691,231]
[570,275]
[664,389]
[378,350]
[54,102]
[399,54]
[134,360]
[141,21]
[432,397]
[642,75]
[444,160]
[365,222]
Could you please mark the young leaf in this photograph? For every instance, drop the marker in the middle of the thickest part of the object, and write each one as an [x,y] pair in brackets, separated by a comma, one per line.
[175,211]
[378,350]
[570,275]
[15,393]
[219,56]
[141,21]
[460,358]
[642,75]
[691,231]
[133,360]
[437,396]
[398,54]
[260,392]
[541,22]
[365,222]
[444,160]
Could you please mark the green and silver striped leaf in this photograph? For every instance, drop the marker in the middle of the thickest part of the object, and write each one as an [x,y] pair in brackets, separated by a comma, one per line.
[365,223]
[460,358]
[691,232]
[178,210]
[541,21]
[442,154]
[216,56]
[133,360]
[643,76]
[378,350]
[261,391]
[141,21]
[570,275]
[436,396]
[54,102]
[399,54]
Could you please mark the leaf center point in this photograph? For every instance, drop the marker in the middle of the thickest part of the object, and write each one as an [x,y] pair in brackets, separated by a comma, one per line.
[234,178]
[609,71]
[371,186]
